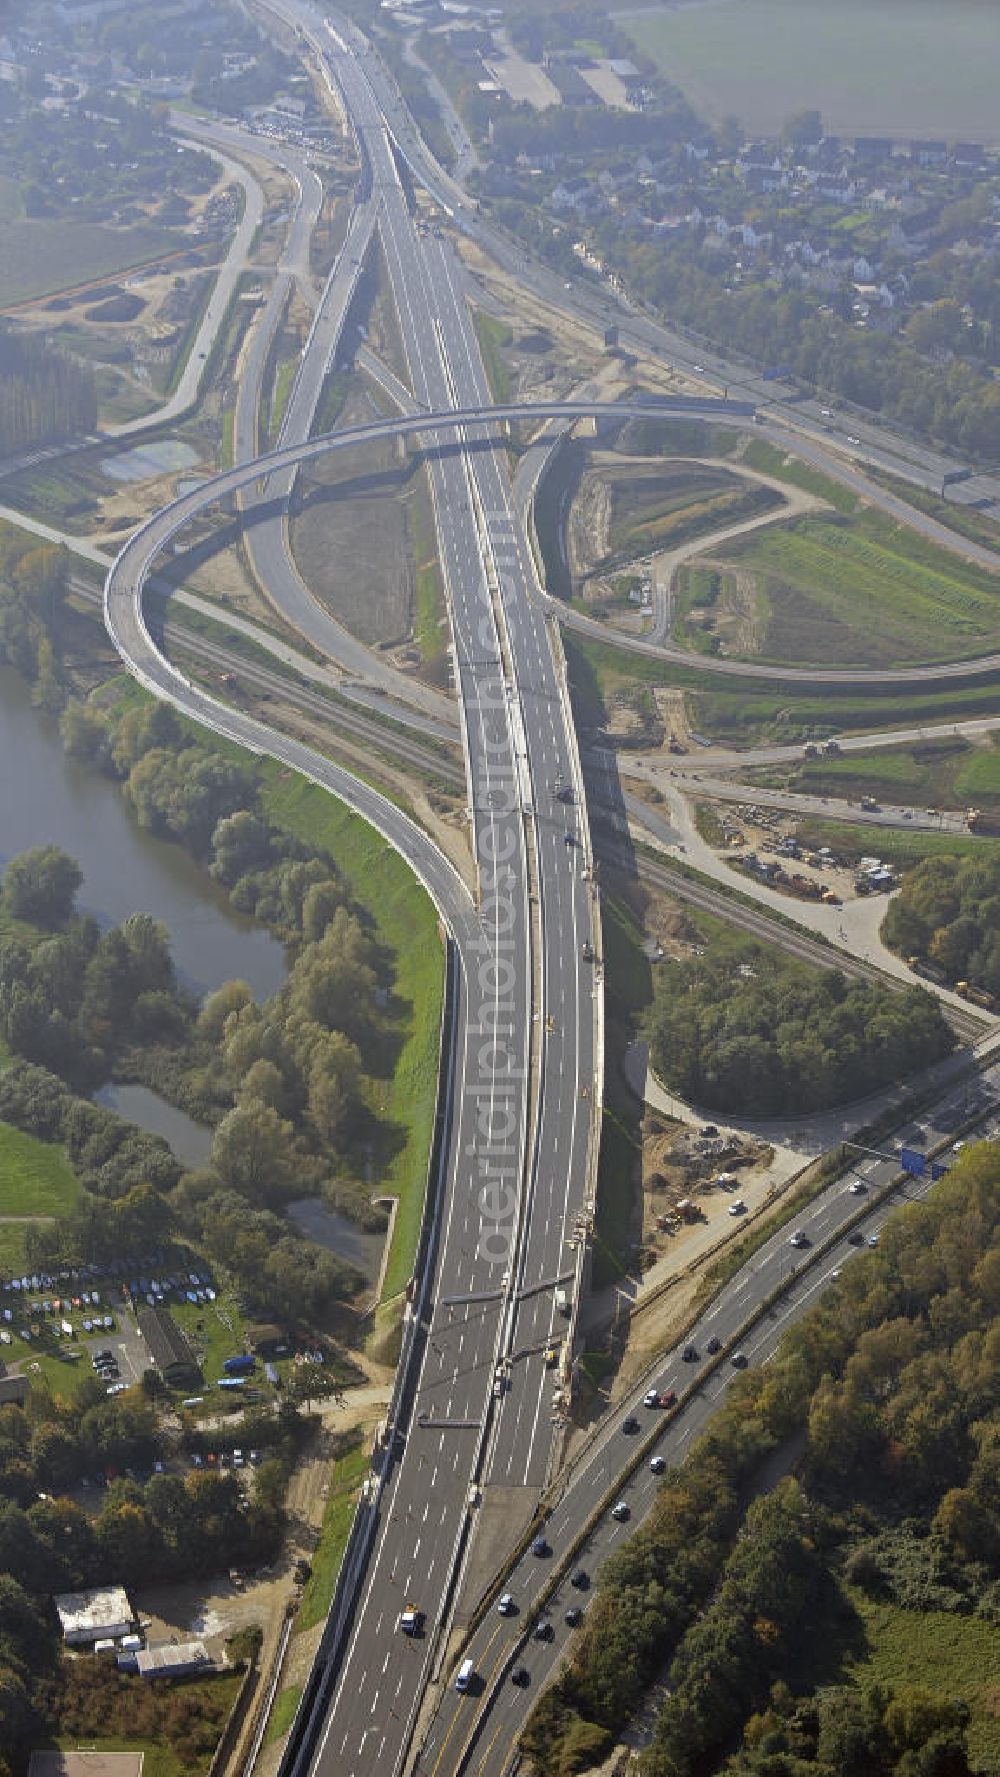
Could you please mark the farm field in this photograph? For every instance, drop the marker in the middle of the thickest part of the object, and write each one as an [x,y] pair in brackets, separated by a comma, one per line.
[863,591]
[39,257]
[912,67]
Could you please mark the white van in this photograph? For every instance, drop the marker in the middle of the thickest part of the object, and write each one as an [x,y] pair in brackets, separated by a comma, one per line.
[464,1675]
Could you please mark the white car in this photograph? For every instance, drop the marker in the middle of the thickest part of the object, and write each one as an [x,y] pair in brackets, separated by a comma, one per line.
[856,1188]
[799,1239]
[737,1208]
[506,1605]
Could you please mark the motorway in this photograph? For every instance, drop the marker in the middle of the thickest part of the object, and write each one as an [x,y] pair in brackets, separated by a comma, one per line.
[515,724]
[477,1733]
[524,1125]
[524,1074]
[596,302]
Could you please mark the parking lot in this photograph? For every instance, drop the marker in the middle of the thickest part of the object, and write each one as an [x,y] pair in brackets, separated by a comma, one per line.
[125,1343]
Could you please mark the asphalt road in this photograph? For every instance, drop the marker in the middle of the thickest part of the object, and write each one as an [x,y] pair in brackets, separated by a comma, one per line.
[527,1052]
[477,1733]
[828,429]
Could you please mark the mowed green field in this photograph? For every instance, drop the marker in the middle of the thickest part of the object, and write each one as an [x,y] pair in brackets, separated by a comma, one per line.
[898,68]
[36,1178]
[862,592]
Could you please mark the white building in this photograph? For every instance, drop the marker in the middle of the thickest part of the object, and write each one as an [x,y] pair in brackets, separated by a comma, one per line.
[98,1615]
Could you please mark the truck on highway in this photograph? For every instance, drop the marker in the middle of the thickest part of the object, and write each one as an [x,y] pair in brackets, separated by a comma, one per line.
[562,1301]
[464,1675]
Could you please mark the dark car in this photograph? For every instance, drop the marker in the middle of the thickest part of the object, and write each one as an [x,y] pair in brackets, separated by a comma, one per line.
[714,1344]
[519,1676]
[689,1354]
[581,1579]
[574,1615]
[855,1238]
[630,1424]
[540,1546]
[543,1630]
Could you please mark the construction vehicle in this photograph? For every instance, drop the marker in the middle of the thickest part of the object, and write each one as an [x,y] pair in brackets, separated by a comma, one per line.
[977,995]
[980,820]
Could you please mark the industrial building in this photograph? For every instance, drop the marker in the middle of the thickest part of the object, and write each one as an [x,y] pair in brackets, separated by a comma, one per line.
[168,1349]
[173,1659]
[98,1615]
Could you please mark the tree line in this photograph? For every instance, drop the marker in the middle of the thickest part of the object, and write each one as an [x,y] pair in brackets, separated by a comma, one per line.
[45,397]
[287,1086]
[33,580]
[890,1389]
[750,1033]
[947,913]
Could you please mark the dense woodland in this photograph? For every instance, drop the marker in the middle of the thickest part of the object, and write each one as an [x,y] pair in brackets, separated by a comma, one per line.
[750,1033]
[147,1528]
[947,913]
[885,1401]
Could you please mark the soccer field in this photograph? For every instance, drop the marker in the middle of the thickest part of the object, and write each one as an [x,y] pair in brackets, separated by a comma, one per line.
[893,68]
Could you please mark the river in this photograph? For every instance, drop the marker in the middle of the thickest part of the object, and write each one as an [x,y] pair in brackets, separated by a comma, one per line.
[47,798]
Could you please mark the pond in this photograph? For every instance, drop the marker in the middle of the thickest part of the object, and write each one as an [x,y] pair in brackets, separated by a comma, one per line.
[145,461]
[47,798]
[312,1219]
[190,1141]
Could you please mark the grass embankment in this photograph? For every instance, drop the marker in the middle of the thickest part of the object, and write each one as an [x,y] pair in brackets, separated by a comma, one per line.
[281,389]
[430,627]
[494,336]
[858,590]
[628,991]
[405,921]
[680,502]
[760,710]
[348,1474]
[283,1714]
[944,771]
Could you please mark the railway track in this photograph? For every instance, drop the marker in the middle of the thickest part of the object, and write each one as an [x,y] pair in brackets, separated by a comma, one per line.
[966,1025]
